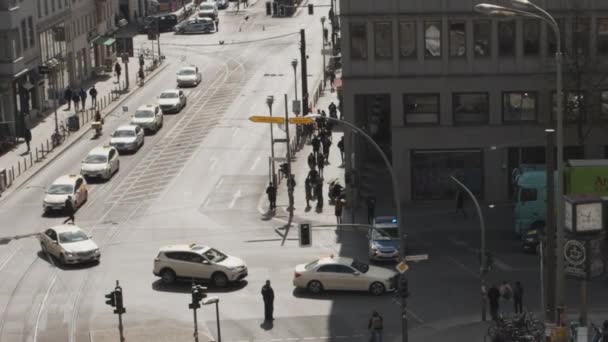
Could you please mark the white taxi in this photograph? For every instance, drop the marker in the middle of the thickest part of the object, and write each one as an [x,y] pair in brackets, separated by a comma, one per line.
[172,100]
[149,117]
[69,244]
[63,187]
[198,262]
[188,76]
[101,162]
[127,138]
[340,273]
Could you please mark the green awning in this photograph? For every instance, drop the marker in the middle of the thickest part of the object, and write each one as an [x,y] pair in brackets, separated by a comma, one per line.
[107,41]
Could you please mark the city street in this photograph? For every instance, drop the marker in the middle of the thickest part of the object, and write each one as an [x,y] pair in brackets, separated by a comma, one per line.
[202,178]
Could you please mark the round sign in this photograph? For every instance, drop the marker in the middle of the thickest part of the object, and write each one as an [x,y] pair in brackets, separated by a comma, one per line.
[574,252]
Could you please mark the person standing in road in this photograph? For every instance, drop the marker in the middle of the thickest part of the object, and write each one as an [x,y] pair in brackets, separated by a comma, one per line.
[493,298]
[320,163]
[69,210]
[271,191]
[67,96]
[268,297]
[375,326]
[316,143]
[76,100]
[93,93]
[326,145]
[338,210]
[217,24]
[518,297]
[319,193]
[341,148]
[117,71]
[308,191]
[332,79]
[371,209]
[27,136]
[83,98]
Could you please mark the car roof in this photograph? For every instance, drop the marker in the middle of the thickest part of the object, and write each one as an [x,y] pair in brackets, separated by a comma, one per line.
[335,260]
[126,128]
[170,91]
[66,179]
[105,149]
[193,67]
[146,106]
[193,247]
[62,228]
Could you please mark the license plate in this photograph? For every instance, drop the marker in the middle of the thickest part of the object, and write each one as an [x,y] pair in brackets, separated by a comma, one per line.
[56,208]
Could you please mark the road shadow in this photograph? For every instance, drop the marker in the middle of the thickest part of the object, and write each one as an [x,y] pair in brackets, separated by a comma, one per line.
[186,286]
[267,325]
[51,260]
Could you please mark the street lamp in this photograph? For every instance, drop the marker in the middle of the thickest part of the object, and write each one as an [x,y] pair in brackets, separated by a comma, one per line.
[216,301]
[323,49]
[269,101]
[529,9]
[294,64]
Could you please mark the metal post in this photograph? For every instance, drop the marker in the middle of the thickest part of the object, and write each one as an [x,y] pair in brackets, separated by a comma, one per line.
[269,101]
[120,328]
[32,158]
[195,326]
[158,39]
[56,101]
[543,300]
[584,306]
[127,74]
[549,251]
[289,183]
[559,250]
[304,72]
[217,319]
[323,52]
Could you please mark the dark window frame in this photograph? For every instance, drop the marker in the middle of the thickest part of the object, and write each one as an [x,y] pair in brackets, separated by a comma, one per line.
[361,55]
[490,37]
[502,41]
[413,53]
[454,114]
[599,44]
[526,36]
[390,50]
[506,93]
[427,54]
[567,117]
[405,113]
[450,41]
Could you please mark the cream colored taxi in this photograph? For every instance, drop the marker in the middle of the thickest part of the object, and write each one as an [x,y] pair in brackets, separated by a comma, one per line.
[74,186]
[340,273]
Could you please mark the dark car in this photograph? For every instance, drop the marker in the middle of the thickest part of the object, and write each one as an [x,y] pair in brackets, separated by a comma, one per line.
[530,241]
[165,22]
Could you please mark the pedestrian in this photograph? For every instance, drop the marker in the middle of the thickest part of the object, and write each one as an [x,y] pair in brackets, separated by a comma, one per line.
[69,210]
[605,331]
[141,76]
[493,297]
[375,327]
[313,175]
[217,24]
[320,163]
[371,208]
[325,35]
[268,297]
[460,204]
[341,148]
[27,136]
[331,15]
[333,110]
[312,162]
[506,292]
[338,210]
[308,192]
[319,193]
[76,100]
[117,71]
[93,93]
[518,297]
[83,98]
[271,191]
[67,96]
[326,145]
[332,79]
[316,143]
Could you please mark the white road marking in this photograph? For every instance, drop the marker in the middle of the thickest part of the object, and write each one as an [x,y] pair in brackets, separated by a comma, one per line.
[255,163]
[46,297]
[235,197]
[206,203]
[212,162]
[219,183]
[235,130]
[9,257]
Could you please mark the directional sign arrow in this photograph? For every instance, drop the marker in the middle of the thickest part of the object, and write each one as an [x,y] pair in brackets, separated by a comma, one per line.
[267,119]
[301,121]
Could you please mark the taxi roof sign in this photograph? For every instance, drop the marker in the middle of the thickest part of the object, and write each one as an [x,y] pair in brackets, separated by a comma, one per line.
[402,267]
[302,120]
[267,119]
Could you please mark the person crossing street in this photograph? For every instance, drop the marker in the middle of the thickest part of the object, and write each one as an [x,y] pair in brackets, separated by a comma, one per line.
[320,163]
[69,210]
[375,326]
[268,297]
[271,191]
[93,93]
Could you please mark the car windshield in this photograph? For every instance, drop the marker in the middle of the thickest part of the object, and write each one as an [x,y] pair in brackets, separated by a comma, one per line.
[168,95]
[206,7]
[75,236]
[311,264]
[386,233]
[359,266]
[60,189]
[214,255]
[96,159]
[123,134]
[185,72]
[144,114]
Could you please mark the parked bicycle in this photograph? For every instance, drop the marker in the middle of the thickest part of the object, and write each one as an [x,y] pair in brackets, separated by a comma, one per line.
[519,328]
[58,137]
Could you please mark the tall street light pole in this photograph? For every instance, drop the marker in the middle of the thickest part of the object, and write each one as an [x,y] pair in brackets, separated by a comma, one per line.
[530,10]
[294,64]
[323,49]
[269,101]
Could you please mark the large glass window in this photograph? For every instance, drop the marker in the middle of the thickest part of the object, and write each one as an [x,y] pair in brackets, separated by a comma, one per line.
[574,106]
[383,40]
[482,34]
[531,37]
[46,7]
[39,8]
[358,41]
[581,33]
[519,106]
[432,38]
[506,38]
[458,38]
[421,109]
[470,108]
[604,105]
[551,40]
[24,34]
[602,36]
[407,39]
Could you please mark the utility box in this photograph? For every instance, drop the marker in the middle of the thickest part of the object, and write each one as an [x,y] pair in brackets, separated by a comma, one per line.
[73,123]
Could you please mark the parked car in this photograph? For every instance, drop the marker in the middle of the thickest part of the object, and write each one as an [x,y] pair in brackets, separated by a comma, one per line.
[149,117]
[127,138]
[196,25]
[222,4]
[188,76]
[208,9]
[164,22]
[384,239]
[69,244]
[62,187]
[172,100]
[101,162]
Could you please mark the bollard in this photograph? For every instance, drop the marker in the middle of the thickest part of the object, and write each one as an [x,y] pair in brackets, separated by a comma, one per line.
[47,146]
[42,150]
[31,159]
[24,164]
[19,167]
[12,173]
[37,160]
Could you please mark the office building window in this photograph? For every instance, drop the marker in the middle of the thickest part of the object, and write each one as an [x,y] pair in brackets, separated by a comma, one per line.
[39,8]
[23,34]
[602,36]
[519,106]
[458,39]
[574,106]
[59,4]
[581,33]
[506,38]
[531,37]
[470,108]
[604,105]
[53,6]
[482,34]
[407,39]
[30,27]
[421,109]
[551,40]
[46,7]
[432,38]
[383,40]
[358,41]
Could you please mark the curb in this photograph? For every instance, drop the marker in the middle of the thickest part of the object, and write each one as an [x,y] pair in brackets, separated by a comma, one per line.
[77,136]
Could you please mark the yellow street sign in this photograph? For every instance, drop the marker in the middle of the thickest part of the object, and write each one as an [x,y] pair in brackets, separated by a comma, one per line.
[301,121]
[267,119]
[402,267]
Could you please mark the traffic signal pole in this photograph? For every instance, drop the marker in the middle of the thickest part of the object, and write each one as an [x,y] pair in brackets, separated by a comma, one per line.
[289,179]
[115,300]
[304,71]
[198,293]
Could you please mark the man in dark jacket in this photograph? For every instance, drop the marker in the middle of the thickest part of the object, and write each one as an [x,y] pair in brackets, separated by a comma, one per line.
[319,193]
[93,93]
[308,191]
[375,326]
[493,297]
[268,297]
[312,162]
[271,191]
[27,136]
[316,144]
[76,100]
[67,96]
[326,145]
[320,163]
[69,210]
[341,147]
[518,297]
[371,209]
[83,98]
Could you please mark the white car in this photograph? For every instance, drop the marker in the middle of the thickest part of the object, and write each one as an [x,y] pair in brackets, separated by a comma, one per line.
[172,100]
[340,273]
[69,244]
[64,186]
[198,262]
[188,76]
[101,162]
[148,117]
[127,138]
[208,10]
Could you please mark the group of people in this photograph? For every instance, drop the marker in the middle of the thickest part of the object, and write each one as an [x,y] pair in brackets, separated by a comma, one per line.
[505,294]
[79,98]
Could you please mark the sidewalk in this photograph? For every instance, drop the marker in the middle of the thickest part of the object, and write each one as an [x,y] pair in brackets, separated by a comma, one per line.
[19,165]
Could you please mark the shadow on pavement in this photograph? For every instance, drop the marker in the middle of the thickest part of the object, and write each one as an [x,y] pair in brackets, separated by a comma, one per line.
[186,286]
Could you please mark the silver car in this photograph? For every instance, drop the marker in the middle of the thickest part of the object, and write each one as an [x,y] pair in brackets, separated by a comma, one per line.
[188,76]
[196,25]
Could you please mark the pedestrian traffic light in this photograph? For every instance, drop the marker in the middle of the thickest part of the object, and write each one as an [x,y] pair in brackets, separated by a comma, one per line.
[120,309]
[403,287]
[311,9]
[198,294]
[305,234]
[111,299]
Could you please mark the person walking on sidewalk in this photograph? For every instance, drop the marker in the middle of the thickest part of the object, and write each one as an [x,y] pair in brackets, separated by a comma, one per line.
[338,210]
[308,192]
[117,71]
[316,143]
[375,326]
[93,93]
[271,191]
[493,298]
[341,148]
[312,162]
[320,163]
[518,297]
[326,145]
[333,110]
[268,297]
[371,209]
[460,204]
[319,193]
[76,100]
[83,98]
[27,136]
[67,96]
[332,79]
[69,210]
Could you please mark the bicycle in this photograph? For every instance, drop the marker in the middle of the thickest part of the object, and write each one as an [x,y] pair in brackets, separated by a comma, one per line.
[58,137]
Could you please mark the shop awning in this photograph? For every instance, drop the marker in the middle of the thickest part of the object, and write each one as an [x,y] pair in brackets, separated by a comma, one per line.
[107,41]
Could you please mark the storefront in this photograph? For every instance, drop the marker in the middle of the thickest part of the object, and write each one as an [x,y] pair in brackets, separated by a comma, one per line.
[104,51]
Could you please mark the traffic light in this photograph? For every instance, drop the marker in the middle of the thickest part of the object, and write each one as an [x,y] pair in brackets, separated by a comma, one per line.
[111,299]
[403,287]
[305,234]
[120,309]
[198,294]
[311,9]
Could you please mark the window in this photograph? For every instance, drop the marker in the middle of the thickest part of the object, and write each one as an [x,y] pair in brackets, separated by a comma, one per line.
[604,104]
[602,36]
[580,35]
[30,26]
[482,34]
[531,37]
[193,257]
[421,108]
[458,39]
[383,40]
[432,39]
[407,39]
[519,106]
[327,269]
[358,41]
[506,38]
[344,269]
[52,5]
[39,8]
[23,34]
[574,106]
[46,7]
[551,39]
[527,194]
[470,108]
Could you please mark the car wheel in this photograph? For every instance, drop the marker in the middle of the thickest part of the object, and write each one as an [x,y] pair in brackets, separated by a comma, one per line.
[376,288]
[117,166]
[167,276]
[315,287]
[62,259]
[220,280]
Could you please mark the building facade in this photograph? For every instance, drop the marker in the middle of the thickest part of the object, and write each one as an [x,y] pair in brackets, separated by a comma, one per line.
[446,91]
